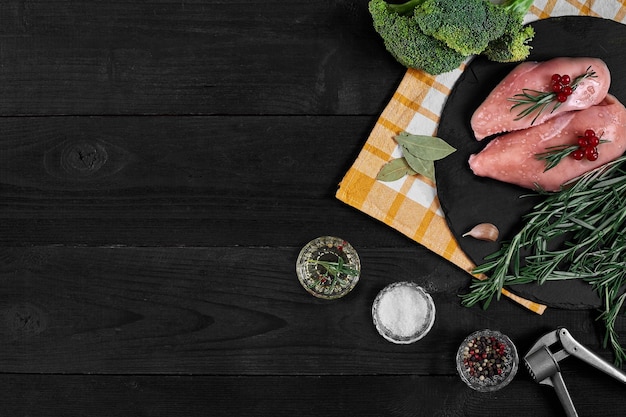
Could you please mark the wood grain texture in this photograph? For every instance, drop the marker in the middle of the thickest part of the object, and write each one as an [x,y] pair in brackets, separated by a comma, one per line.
[191,57]
[181,181]
[161,165]
[231,311]
[172,396]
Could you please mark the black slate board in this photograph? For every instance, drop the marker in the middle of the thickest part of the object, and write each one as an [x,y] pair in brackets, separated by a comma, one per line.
[467,199]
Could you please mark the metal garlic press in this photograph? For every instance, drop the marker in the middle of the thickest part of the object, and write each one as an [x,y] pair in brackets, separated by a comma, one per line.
[543,364]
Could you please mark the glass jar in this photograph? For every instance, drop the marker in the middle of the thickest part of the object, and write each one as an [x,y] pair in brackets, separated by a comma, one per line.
[487,360]
[403,312]
[328,267]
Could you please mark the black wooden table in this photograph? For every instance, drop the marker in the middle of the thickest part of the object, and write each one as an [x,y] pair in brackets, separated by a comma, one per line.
[162,164]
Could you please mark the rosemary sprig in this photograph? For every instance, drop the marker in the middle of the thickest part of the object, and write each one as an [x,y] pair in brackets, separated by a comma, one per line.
[611,337]
[335,269]
[590,216]
[534,101]
[554,154]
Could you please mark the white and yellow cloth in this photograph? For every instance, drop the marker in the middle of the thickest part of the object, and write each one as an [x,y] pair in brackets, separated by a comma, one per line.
[410,205]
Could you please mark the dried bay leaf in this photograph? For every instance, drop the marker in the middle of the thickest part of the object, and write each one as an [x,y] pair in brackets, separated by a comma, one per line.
[419,152]
[420,165]
[394,170]
[430,148]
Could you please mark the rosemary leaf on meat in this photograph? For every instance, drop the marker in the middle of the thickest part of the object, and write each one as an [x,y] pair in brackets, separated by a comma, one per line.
[535,102]
[554,154]
[589,216]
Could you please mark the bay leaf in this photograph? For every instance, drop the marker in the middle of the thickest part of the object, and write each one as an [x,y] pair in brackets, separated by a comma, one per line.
[430,148]
[394,170]
[420,165]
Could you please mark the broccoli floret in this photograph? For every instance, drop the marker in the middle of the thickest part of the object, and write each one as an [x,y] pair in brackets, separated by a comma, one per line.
[408,44]
[516,8]
[469,26]
[465,26]
[513,45]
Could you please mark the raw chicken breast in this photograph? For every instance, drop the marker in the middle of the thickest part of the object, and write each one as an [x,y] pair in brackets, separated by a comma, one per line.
[512,157]
[494,115]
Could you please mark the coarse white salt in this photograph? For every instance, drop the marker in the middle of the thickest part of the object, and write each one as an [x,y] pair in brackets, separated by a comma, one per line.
[403,312]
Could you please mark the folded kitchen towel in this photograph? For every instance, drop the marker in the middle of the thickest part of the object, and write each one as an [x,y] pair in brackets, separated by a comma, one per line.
[410,205]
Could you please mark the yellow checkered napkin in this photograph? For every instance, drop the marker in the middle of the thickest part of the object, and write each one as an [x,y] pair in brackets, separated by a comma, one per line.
[410,205]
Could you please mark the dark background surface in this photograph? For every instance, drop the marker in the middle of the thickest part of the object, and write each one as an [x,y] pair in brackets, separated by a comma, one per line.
[162,164]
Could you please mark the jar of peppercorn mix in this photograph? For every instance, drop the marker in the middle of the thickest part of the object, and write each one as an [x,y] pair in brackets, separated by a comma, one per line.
[487,360]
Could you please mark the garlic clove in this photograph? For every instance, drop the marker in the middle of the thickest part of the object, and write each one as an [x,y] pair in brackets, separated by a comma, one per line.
[484,231]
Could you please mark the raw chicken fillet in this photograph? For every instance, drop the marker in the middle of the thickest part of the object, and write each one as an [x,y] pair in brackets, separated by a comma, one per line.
[495,115]
[512,157]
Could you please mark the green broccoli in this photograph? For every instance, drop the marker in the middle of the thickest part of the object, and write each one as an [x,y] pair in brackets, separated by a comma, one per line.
[465,26]
[513,45]
[468,26]
[408,44]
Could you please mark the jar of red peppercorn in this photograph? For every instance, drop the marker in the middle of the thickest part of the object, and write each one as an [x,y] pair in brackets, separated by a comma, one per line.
[487,360]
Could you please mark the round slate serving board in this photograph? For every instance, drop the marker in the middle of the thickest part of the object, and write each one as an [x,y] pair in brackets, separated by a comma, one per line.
[467,199]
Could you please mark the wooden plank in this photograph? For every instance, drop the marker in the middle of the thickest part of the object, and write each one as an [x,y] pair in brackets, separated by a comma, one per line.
[180,180]
[113,396]
[191,57]
[233,311]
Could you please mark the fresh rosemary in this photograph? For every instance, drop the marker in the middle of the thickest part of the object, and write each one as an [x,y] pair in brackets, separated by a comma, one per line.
[589,214]
[534,101]
[554,154]
[335,270]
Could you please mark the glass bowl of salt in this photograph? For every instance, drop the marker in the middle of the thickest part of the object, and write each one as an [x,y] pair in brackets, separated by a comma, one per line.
[403,312]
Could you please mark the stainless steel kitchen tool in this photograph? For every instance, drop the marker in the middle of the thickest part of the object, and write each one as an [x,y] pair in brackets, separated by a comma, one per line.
[543,364]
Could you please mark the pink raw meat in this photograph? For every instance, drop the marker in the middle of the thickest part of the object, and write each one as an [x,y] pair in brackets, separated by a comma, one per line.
[512,157]
[494,115]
